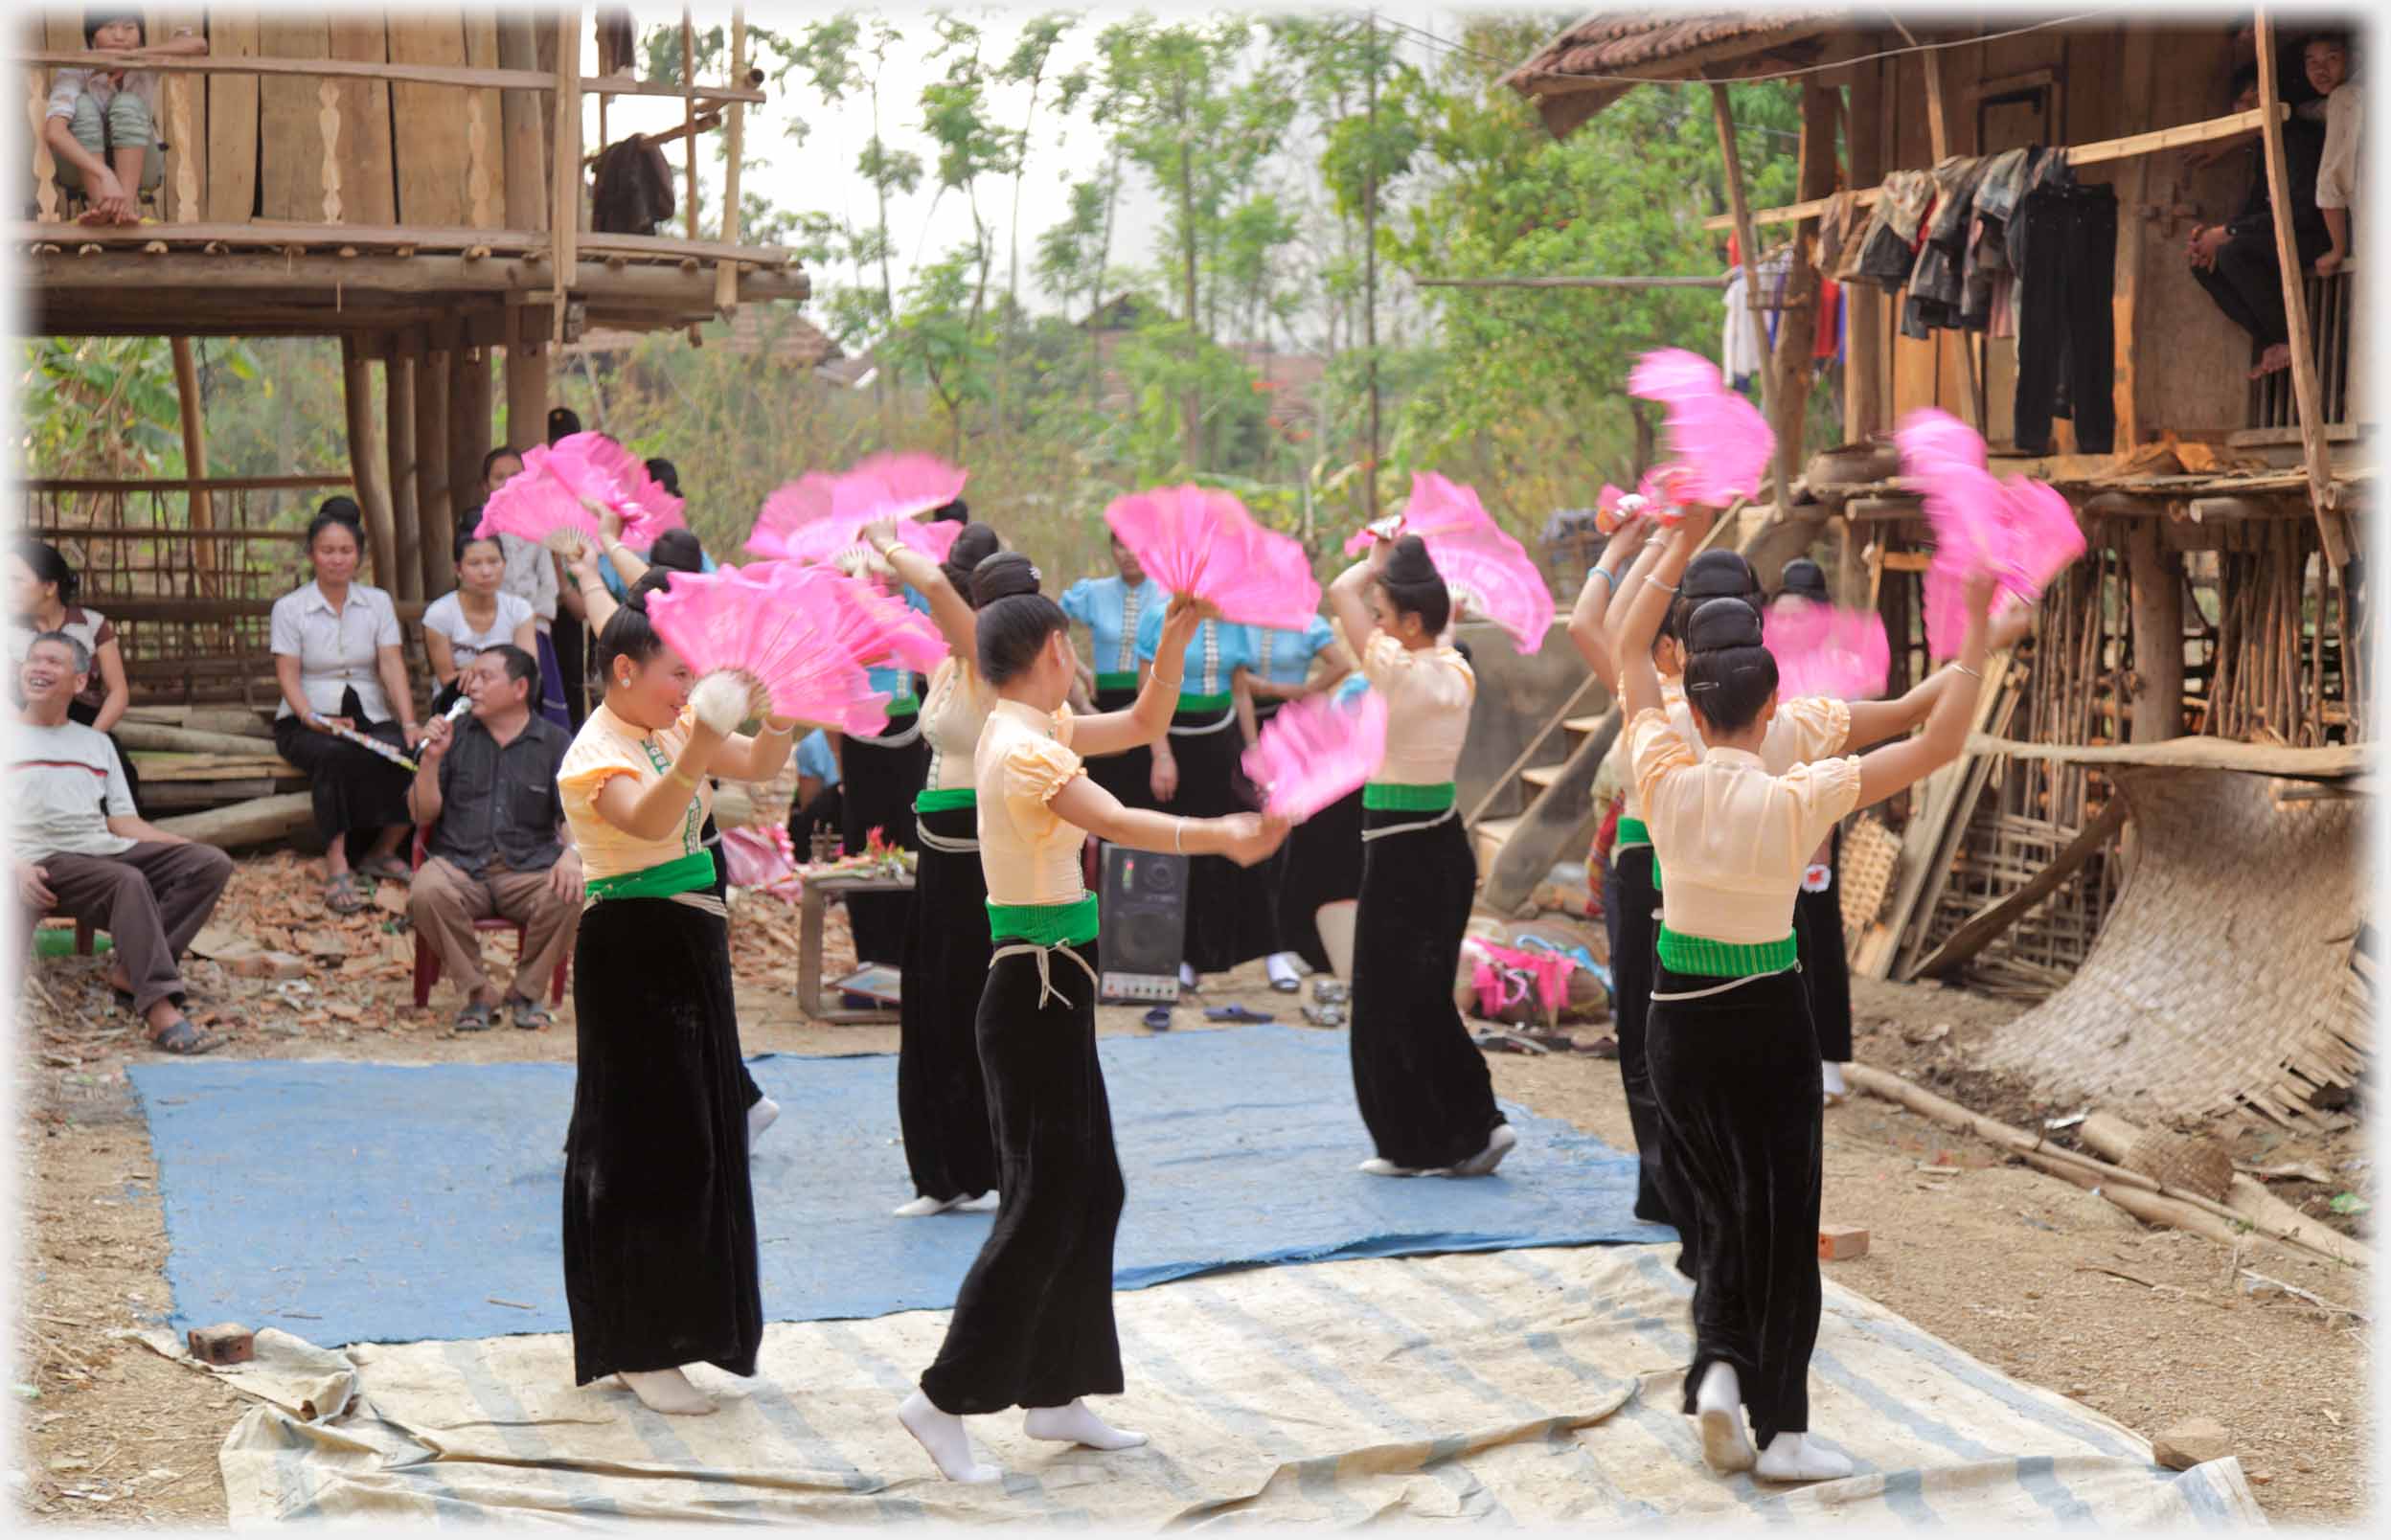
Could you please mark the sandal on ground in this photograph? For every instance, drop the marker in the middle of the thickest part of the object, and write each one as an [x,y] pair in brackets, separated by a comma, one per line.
[1324,1015]
[341,896]
[529,1014]
[473,1018]
[1331,992]
[1242,1013]
[387,866]
[1158,1020]
[181,1036]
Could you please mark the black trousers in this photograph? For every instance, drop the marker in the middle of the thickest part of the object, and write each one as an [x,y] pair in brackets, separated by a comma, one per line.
[571,640]
[1319,864]
[2247,281]
[1129,775]
[1630,899]
[1421,1083]
[941,1094]
[354,793]
[1736,1078]
[1033,1325]
[2067,335]
[1228,906]
[1826,972]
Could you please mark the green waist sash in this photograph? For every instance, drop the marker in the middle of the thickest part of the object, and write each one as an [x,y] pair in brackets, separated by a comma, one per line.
[1117,681]
[692,873]
[940,799]
[1071,924]
[1397,796]
[904,705]
[1206,703]
[1724,959]
[1632,833]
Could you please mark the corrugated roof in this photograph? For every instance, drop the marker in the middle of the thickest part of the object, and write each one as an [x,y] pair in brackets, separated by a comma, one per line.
[1564,77]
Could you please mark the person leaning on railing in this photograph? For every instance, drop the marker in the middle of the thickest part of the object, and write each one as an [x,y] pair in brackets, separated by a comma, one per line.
[103,124]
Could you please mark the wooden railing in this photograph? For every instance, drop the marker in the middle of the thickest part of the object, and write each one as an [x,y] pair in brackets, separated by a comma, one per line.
[2332,321]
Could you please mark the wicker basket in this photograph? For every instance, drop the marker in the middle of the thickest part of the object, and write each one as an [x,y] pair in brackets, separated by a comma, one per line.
[1872,857]
[2189,1165]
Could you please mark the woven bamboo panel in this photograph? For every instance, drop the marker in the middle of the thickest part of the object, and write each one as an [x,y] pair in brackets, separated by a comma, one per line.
[2223,977]
[1872,856]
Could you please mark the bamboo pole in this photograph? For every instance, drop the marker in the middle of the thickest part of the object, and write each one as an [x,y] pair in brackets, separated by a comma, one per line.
[437,498]
[529,364]
[733,147]
[406,518]
[519,115]
[2303,384]
[1740,205]
[193,410]
[2115,1137]
[366,461]
[565,159]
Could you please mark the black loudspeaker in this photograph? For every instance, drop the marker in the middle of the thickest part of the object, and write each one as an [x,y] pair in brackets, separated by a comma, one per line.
[1143,919]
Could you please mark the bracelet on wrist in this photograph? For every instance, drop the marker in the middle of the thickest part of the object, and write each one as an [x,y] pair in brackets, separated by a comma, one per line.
[1964,669]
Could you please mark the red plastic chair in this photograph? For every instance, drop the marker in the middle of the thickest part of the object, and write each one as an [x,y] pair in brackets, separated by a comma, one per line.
[427,956]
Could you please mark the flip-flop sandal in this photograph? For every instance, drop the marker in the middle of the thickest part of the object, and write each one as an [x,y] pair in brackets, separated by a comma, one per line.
[1324,1015]
[529,1015]
[181,1036]
[1158,1019]
[1242,1013]
[1331,992]
[388,866]
[341,896]
[473,1018]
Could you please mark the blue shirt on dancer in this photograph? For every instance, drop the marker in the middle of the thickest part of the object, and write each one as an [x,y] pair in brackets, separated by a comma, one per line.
[814,759]
[896,684]
[614,580]
[1114,617]
[1285,657]
[1215,652]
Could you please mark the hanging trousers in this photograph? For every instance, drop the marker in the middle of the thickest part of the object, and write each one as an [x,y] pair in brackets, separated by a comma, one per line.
[2066,336]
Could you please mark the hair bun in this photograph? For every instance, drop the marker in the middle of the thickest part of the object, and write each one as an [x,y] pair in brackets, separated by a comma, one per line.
[1409,562]
[1718,574]
[1804,579]
[1001,575]
[1724,622]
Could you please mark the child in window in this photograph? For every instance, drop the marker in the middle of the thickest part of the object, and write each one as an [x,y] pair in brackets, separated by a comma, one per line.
[103,124]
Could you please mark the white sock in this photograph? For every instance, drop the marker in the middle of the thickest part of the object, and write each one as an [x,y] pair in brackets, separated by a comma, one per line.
[667,1391]
[1791,1457]
[943,1434]
[1719,1415]
[762,1115]
[1381,1166]
[985,1203]
[1189,979]
[922,1207]
[1497,1145]
[1831,1074]
[1285,967]
[1076,1424]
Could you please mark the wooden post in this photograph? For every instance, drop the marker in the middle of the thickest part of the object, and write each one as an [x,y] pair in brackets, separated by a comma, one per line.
[366,461]
[406,521]
[195,460]
[2304,383]
[1741,207]
[1863,304]
[1798,326]
[2136,81]
[522,117]
[1938,121]
[528,365]
[733,147]
[565,217]
[468,414]
[689,125]
[2158,575]
[437,499]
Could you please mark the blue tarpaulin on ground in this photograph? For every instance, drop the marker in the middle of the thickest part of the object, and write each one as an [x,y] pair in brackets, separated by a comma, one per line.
[356,1202]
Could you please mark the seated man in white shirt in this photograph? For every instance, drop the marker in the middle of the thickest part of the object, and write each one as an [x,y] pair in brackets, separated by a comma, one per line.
[80,849]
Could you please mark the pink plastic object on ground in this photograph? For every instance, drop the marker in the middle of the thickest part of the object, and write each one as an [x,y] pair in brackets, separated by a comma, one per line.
[1437,505]
[763,859]
[2022,529]
[816,517]
[1316,751]
[1201,541]
[786,628]
[1491,572]
[1719,445]
[1503,975]
[1823,650]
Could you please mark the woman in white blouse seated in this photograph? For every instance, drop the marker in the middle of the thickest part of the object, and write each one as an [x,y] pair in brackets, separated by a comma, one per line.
[338,657]
[461,627]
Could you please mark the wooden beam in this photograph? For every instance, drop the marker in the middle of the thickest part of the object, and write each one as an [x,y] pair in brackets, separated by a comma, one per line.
[366,462]
[2331,762]
[193,411]
[436,495]
[528,371]
[1864,304]
[1797,328]
[726,275]
[468,415]
[2304,386]
[1573,281]
[707,123]
[1986,925]
[522,125]
[2135,78]
[338,69]
[614,85]
[2157,141]
[406,518]
[2157,678]
[1938,118]
[689,126]
[164,283]
[283,238]
[1740,206]
[186,483]
[565,215]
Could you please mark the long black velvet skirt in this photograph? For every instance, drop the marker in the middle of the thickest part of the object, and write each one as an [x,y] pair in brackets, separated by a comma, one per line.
[1033,1325]
[1228,906]
[1422,1084]
[880,783]
[1818,924]
[1736,1074]
[1631,964]
[1319,864]
[1129,776]
[351,787]
[941,1094]
[659,1220]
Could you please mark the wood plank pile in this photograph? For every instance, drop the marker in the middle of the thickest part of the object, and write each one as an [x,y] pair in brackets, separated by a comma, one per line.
[218,760]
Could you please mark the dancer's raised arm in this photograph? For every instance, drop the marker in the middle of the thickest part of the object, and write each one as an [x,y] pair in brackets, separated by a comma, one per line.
[1158,692]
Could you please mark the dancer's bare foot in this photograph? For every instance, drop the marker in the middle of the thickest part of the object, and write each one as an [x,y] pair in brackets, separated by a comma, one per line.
[942,1434]
[1076,1424]
[2274,361]
[1718,1413]
[667,1391]
[1791,1457]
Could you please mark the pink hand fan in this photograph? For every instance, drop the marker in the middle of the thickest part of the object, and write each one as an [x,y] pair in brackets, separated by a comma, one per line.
[1719,445]
[1435,506]
[816,517]
[597,467]
[882,629]
[897,487]
[1823,650]
[1491,572]
[535,506]
[1200,541]
[775,630]
[761,858]
[2020,529]
[1316,751]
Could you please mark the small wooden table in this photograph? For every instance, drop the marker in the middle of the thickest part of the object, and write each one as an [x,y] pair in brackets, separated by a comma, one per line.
[818,891]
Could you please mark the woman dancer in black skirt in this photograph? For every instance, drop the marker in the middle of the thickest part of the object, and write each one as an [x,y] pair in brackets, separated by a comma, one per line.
[941,1094]
[881,775]
[1818,912]
[659,1220]
[1032,1326]
[1728,1038]
[1422,1084]
[1111,609]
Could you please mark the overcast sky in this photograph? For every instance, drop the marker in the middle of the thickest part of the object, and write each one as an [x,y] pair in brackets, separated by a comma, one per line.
[820,174]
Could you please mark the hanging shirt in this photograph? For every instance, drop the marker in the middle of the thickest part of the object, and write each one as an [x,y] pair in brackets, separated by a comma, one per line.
[1285,657]
[814,759]
[953,711]
[1427,690]
[1029,854]
[1212,654]
[1739,352]
[1112,611]
[1734,838]
[337,650]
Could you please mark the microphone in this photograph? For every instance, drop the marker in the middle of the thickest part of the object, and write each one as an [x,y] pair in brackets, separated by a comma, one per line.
[456,713]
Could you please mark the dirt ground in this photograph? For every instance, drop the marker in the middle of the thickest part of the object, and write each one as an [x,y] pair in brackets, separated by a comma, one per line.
[2044,1280]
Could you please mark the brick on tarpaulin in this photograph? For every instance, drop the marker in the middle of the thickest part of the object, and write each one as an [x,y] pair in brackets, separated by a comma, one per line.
[225,1342]
[1840,1243]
